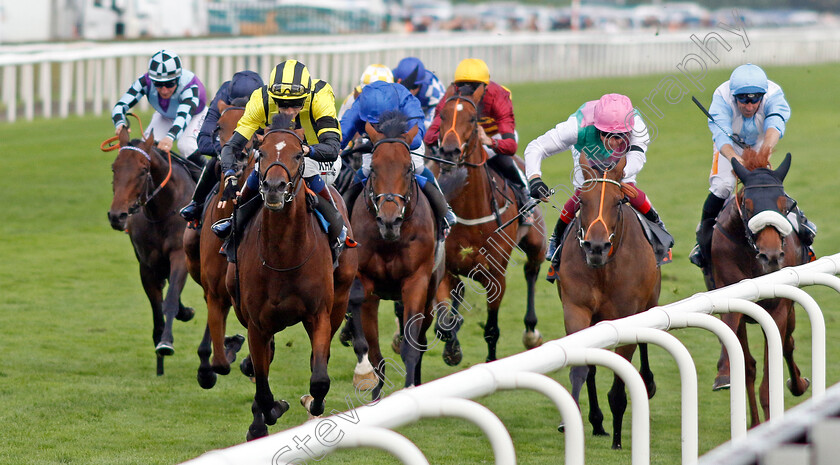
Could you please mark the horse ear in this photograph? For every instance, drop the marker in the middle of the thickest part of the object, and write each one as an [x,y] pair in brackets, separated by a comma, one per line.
[478,94]
[583,163]
[782,170]
[409,136]
[301,133]
[739,169]
[222,106]
[617,172]
[372,132]
[124,136]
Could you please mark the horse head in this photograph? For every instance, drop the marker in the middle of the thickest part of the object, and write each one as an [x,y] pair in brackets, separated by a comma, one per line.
[600,209]
[763,206]
[458,137]
[281,163]
[132,178]
[391,172]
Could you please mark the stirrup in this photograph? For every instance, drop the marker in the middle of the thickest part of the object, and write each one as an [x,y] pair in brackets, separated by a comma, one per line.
[552,275]
[552,248]
[191,211]
[222,228]
[696,257]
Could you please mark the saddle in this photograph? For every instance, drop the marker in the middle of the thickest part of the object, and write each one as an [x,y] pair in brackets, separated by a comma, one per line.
[660,239]
[192,168]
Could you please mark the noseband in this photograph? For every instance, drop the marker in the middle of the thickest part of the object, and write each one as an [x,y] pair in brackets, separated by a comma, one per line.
[150,192]
[294,185]
[389,196]
[473,135]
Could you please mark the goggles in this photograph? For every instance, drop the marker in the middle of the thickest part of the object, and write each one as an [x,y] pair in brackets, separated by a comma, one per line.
[167,84]
[749,98]
[288,90]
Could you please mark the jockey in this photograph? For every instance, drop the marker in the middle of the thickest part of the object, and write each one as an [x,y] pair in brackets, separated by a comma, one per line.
[497,126]
[375,72]
[179,100]
[754,110]
[422,83]
[602,129]
[290,90]
[377,98]
[241,85]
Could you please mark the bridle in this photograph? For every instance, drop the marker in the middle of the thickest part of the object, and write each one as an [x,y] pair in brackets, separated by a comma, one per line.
[149,193]
[582,235]
[374,198]
[471,140]
[748,233]
[294,185]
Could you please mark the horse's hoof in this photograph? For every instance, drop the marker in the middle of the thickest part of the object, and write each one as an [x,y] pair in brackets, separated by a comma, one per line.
[599,431]
[396,343]
[721,382]
[561,428]
[246,367]
[256,432]
[790,386]
[651,389]
[452,354]
[280,407]
[165,349]
[221,369]
[206,378]
[365,381]
[185,314]
[306,401]
[616,446]
[232,345]
[532,339]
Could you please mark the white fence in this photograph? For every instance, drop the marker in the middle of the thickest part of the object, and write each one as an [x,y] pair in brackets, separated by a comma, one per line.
[372,425]
[84,78]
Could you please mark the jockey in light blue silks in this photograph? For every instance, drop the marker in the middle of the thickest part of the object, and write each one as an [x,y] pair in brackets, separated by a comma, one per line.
[755,112]
[375,99]
[422,83]
[179,100]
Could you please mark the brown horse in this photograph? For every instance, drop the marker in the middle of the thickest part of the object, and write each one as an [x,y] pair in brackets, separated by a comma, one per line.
[208,267]
[753,237]
[607,271]
[476,248]
[148,190]
[399,256]
[284,274]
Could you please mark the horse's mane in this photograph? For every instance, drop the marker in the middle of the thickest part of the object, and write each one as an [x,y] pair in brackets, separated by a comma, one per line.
[240,101]
[392,123]
[756,159]
[281,121]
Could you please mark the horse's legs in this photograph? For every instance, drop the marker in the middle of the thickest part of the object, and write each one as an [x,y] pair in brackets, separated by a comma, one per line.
[644,370]
[491,327]
[417,321]
[217,312]
[320,334]
[153,285]
[618,396]
[596,417]
[265,409]
[206,377]
[353,326]
[399,335]
[449,321]
[722,379]
[363,374]
[370,326]
[797,384]
[172,304]
[531,338]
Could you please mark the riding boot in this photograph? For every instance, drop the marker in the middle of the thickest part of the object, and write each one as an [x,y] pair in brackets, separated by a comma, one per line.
[653,217]
[702,252]
[507,167]
[222,228]
[806,231]
[350,196]
[336,232]
[197,158]
[193,210]
[443,213]
[555,249]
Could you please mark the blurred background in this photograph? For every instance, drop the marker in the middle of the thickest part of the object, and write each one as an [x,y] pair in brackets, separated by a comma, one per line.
[62,20]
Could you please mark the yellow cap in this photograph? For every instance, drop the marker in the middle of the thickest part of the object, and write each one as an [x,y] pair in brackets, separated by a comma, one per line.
[472,70]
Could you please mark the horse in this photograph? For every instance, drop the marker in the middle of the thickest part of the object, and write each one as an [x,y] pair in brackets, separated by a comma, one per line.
[478,247]
[208,268]
[607,271]
[284,275]
[399,256]
[148,190]
[753,237]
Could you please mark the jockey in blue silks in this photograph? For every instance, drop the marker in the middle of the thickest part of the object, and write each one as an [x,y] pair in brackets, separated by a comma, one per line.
[377,98]
[422,83]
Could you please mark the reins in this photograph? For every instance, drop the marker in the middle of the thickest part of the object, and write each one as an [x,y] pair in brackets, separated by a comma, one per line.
[390,196]
[600,217]
[469,142]
[108,145]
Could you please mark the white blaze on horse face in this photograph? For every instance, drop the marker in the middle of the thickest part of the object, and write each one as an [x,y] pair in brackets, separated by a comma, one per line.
[770,218]
[280,145]
[459,107]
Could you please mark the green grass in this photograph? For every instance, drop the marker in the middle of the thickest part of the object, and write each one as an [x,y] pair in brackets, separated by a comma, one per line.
[77,378]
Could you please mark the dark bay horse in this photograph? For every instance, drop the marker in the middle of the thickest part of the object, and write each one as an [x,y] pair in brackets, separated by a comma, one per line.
[208,267]
[399,257]
[286,276]
[607,271]
[475,248]
[753,237]
[148,191]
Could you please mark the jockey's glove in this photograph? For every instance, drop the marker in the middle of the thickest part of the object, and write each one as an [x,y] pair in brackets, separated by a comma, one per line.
[538,188]
[230,185]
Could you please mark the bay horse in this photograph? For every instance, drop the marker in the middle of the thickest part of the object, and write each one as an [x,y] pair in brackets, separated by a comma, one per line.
[476,247]
[148,191]
[400,258]
[284,274]
[753,237]
[209,268]
[607,271]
